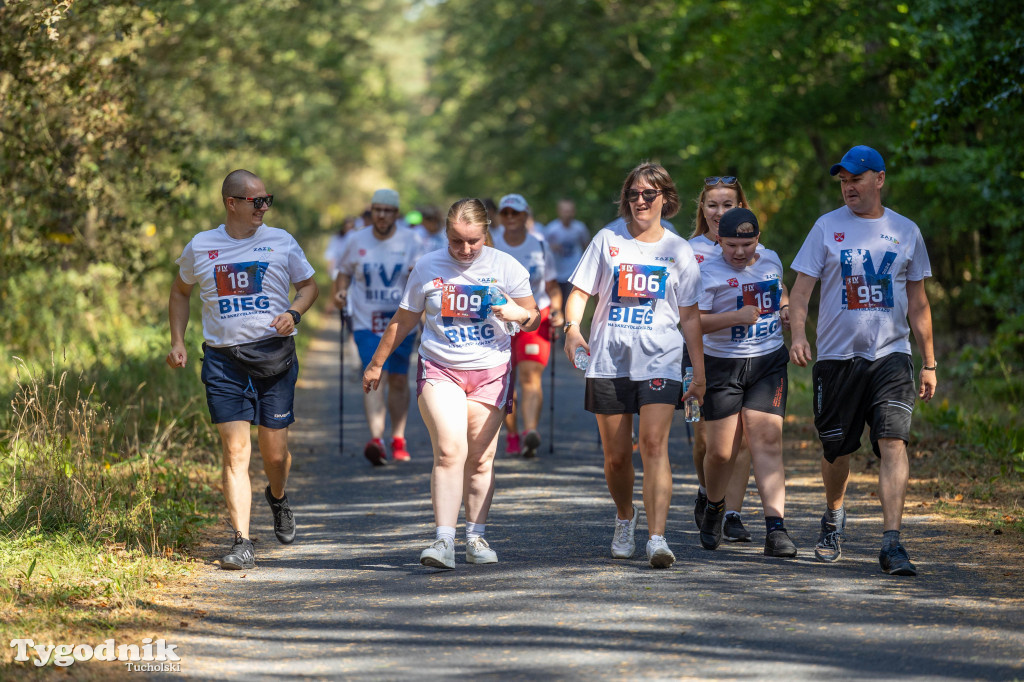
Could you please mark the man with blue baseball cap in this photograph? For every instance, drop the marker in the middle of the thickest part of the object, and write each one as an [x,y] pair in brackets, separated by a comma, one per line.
[872,263]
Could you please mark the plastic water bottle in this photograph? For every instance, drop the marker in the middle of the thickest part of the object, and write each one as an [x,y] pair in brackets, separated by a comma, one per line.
[691,409]
[581,358]
[498,298]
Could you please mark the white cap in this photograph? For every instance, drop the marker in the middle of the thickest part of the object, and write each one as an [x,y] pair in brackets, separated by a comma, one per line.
[385,197]
[514,201]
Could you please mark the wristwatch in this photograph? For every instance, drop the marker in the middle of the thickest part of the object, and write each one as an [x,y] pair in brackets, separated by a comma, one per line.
[295,316]
[565,327]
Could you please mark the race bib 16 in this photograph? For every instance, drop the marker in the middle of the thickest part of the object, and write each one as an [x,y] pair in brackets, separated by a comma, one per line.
[765,296]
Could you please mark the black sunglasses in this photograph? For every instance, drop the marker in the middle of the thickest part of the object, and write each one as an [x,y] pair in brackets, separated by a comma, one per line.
[649,195]
[723,179]
[258,202]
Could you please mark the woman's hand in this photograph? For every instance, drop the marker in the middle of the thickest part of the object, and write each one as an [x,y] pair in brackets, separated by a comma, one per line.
[697,390]
[511,312]
[371,378]
[573,340]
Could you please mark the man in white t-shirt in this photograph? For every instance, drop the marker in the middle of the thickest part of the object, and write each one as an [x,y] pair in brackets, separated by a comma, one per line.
[431,230]
[245,270]
[372,274]
[567,238]
[872,263]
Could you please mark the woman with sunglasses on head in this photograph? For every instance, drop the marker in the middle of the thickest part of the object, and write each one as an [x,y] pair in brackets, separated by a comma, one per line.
[530,350]
[746,358]
[647,284]
[462,380]
[717,195]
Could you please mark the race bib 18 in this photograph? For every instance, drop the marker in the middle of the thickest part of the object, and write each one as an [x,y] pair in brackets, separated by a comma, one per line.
[239,279]
[464,300]
[765,296]
[868,291]
[642,281]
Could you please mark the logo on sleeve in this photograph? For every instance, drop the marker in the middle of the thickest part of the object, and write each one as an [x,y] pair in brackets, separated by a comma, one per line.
[839,236]
[700,258]
[613,251]
[213,254]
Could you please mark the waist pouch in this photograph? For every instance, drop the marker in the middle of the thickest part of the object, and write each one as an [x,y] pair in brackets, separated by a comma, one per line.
[263,358]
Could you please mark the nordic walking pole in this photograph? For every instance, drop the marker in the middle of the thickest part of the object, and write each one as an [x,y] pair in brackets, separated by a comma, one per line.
[341,389]
[551,398]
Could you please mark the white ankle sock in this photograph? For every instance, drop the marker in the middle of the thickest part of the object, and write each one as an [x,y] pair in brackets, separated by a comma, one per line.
[475,530]
[446,533]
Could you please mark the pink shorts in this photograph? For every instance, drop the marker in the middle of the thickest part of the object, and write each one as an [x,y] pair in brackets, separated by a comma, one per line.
[489,386]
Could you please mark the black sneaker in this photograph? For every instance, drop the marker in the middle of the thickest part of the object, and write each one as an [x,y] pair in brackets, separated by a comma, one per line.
[241,556]
[284,520]
[829,546]
[711,528]
[895,561]
[531,443]
[779,544]
[698,508]
[733,530]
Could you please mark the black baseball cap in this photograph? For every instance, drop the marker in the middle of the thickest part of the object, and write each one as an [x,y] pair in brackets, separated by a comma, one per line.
[738,222]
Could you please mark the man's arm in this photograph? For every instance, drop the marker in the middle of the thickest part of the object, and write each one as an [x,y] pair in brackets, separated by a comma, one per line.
[177,315]
[341,283]
[919,312]
[799,299]
[306,292]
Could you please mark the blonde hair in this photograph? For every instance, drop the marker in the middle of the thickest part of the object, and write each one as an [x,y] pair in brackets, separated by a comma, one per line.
[700,223]
[471,212]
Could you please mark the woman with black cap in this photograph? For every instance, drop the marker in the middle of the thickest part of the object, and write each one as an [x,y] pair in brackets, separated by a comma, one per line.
[745,359]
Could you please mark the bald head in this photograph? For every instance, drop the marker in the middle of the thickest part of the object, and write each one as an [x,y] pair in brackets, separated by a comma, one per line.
[237,183]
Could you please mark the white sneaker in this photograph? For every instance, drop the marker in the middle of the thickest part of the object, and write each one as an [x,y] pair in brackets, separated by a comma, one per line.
[623,545]
[441,554]
[659,554]
[479,552]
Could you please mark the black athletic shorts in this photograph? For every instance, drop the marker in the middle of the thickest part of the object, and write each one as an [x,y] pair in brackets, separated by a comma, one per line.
[622,395]
[851,393]
[760,383]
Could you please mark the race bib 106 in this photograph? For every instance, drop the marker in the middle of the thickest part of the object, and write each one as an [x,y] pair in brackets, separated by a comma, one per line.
[239,279]
[765,296]
[464,300]
[642,281]
[868,291]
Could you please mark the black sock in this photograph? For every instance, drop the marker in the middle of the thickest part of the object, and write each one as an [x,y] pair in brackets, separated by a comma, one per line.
[890,538]
[773,523]
[278,500]
[717,507]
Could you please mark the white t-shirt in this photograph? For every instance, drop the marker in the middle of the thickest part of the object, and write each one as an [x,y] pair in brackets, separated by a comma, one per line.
[864,265]
[533,255]
[379,270]
[243,283]
[727,289]
[431,241]
[637,336]
[621,222]
[567,244]
[332,253]
[460,333]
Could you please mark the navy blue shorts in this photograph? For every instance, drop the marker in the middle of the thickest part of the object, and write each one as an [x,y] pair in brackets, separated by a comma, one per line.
[397,362]
[233,396]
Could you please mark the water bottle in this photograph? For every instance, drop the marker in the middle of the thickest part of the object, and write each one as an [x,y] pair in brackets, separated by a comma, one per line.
[581,358]
[498,298]
[691,406]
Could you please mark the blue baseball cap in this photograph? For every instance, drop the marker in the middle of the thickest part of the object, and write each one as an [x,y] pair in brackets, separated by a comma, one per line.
[860,159]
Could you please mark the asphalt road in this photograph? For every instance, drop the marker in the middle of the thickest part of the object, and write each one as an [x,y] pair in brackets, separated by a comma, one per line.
[349,600]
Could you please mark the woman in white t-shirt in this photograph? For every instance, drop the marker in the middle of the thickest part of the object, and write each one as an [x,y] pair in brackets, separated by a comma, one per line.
[462,379]
[647,283]
[746,358]
[718,194]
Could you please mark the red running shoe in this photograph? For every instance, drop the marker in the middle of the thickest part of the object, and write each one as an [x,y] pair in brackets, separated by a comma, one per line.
[398,451]
[512,444]
[374,451]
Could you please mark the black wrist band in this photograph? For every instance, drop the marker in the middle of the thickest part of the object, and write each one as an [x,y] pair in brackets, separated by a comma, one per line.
[295,316]
[930,369]
[784,307]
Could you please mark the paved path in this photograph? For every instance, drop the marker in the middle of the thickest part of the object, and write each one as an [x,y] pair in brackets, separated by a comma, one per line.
[349,599]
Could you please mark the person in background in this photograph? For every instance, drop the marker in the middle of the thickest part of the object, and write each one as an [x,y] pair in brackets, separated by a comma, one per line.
[430,230]
[567,237]
[530,350]
[872,263]
[372,273]
[463,381]
[245,270]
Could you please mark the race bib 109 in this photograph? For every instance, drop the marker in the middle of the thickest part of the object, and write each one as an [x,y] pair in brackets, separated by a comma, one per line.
[642,281]
[765,296]
[464,300]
